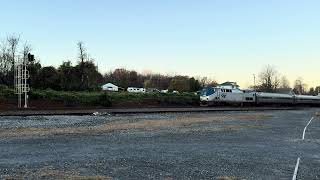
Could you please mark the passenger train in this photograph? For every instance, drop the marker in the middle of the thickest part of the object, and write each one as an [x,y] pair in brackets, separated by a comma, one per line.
[220,96]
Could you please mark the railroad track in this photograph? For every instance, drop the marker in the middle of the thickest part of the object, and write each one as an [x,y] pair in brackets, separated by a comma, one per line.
[34,112]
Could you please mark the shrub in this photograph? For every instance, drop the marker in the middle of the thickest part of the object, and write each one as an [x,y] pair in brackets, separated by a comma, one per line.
[106,99]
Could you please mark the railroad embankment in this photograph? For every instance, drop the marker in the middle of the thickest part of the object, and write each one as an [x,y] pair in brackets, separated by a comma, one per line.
[50,99]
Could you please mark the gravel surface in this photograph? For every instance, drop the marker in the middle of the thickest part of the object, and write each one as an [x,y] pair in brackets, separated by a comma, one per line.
[208,145]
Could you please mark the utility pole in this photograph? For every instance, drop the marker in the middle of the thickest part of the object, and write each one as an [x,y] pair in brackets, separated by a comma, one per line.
[25,77]
[254,81]
[21,75]
[17,80]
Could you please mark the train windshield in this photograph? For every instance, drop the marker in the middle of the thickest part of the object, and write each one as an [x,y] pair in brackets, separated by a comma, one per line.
[207,91]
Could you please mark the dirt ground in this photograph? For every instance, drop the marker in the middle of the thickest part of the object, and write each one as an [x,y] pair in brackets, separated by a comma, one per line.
[178,123]
[206,145]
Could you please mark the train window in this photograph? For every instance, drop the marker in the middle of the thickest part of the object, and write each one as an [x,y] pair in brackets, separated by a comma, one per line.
[210,91]
[207,91]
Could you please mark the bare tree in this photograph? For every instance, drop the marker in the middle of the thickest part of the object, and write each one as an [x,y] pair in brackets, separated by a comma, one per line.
[82,58]
[284,82]
[26,49]
[312,91]
[299,86]
[13,41]
[269,79]
[4,57]
[205,81]
[82,52]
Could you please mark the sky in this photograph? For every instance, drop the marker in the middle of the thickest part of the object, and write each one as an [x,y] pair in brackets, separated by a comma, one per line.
[227,40]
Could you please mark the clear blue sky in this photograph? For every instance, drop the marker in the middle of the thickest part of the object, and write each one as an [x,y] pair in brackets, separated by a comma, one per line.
[225,39]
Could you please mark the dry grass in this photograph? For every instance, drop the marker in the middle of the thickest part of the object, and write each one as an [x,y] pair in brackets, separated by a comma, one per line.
[184,123]
[49,173]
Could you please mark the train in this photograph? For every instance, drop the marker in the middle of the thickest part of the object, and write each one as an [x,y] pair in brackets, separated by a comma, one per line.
[211,96]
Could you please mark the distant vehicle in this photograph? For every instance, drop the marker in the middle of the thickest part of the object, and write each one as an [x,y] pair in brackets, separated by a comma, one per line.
[136,90]
[110,87]
[223,95]
[175,92]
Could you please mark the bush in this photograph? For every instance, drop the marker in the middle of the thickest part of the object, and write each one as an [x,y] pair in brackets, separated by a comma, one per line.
[6,92]
[107,99]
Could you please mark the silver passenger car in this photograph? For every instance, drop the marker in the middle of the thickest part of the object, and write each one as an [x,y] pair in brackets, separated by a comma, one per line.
[274,98]
[304,99]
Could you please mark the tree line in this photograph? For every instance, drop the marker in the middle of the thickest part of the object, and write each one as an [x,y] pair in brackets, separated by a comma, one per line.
[84,74]
[270,80]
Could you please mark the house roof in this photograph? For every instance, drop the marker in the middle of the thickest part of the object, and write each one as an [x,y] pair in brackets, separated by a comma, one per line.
[228,83]
[110,84]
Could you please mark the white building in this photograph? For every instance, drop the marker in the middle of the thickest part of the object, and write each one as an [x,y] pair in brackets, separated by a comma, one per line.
[164,91]
[110,87]
[136,90]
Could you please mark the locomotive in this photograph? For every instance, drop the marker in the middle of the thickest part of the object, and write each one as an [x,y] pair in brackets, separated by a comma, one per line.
[225,95]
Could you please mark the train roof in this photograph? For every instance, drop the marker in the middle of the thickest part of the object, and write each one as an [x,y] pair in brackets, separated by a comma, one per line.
[307,97]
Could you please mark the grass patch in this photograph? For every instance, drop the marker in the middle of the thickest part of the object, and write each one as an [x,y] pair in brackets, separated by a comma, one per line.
[183,124]
[104,99]
[6,92]
[51,173]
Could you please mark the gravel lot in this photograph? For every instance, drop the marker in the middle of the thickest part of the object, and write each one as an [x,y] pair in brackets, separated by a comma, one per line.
[225,145]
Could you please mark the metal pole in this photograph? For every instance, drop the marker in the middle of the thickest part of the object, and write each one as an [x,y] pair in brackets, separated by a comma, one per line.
[15,78]
[25,83]
[254,81]
[19,85]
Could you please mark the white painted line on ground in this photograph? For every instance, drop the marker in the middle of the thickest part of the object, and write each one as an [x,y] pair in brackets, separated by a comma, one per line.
[298,160]
[305,128]
[296,170]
